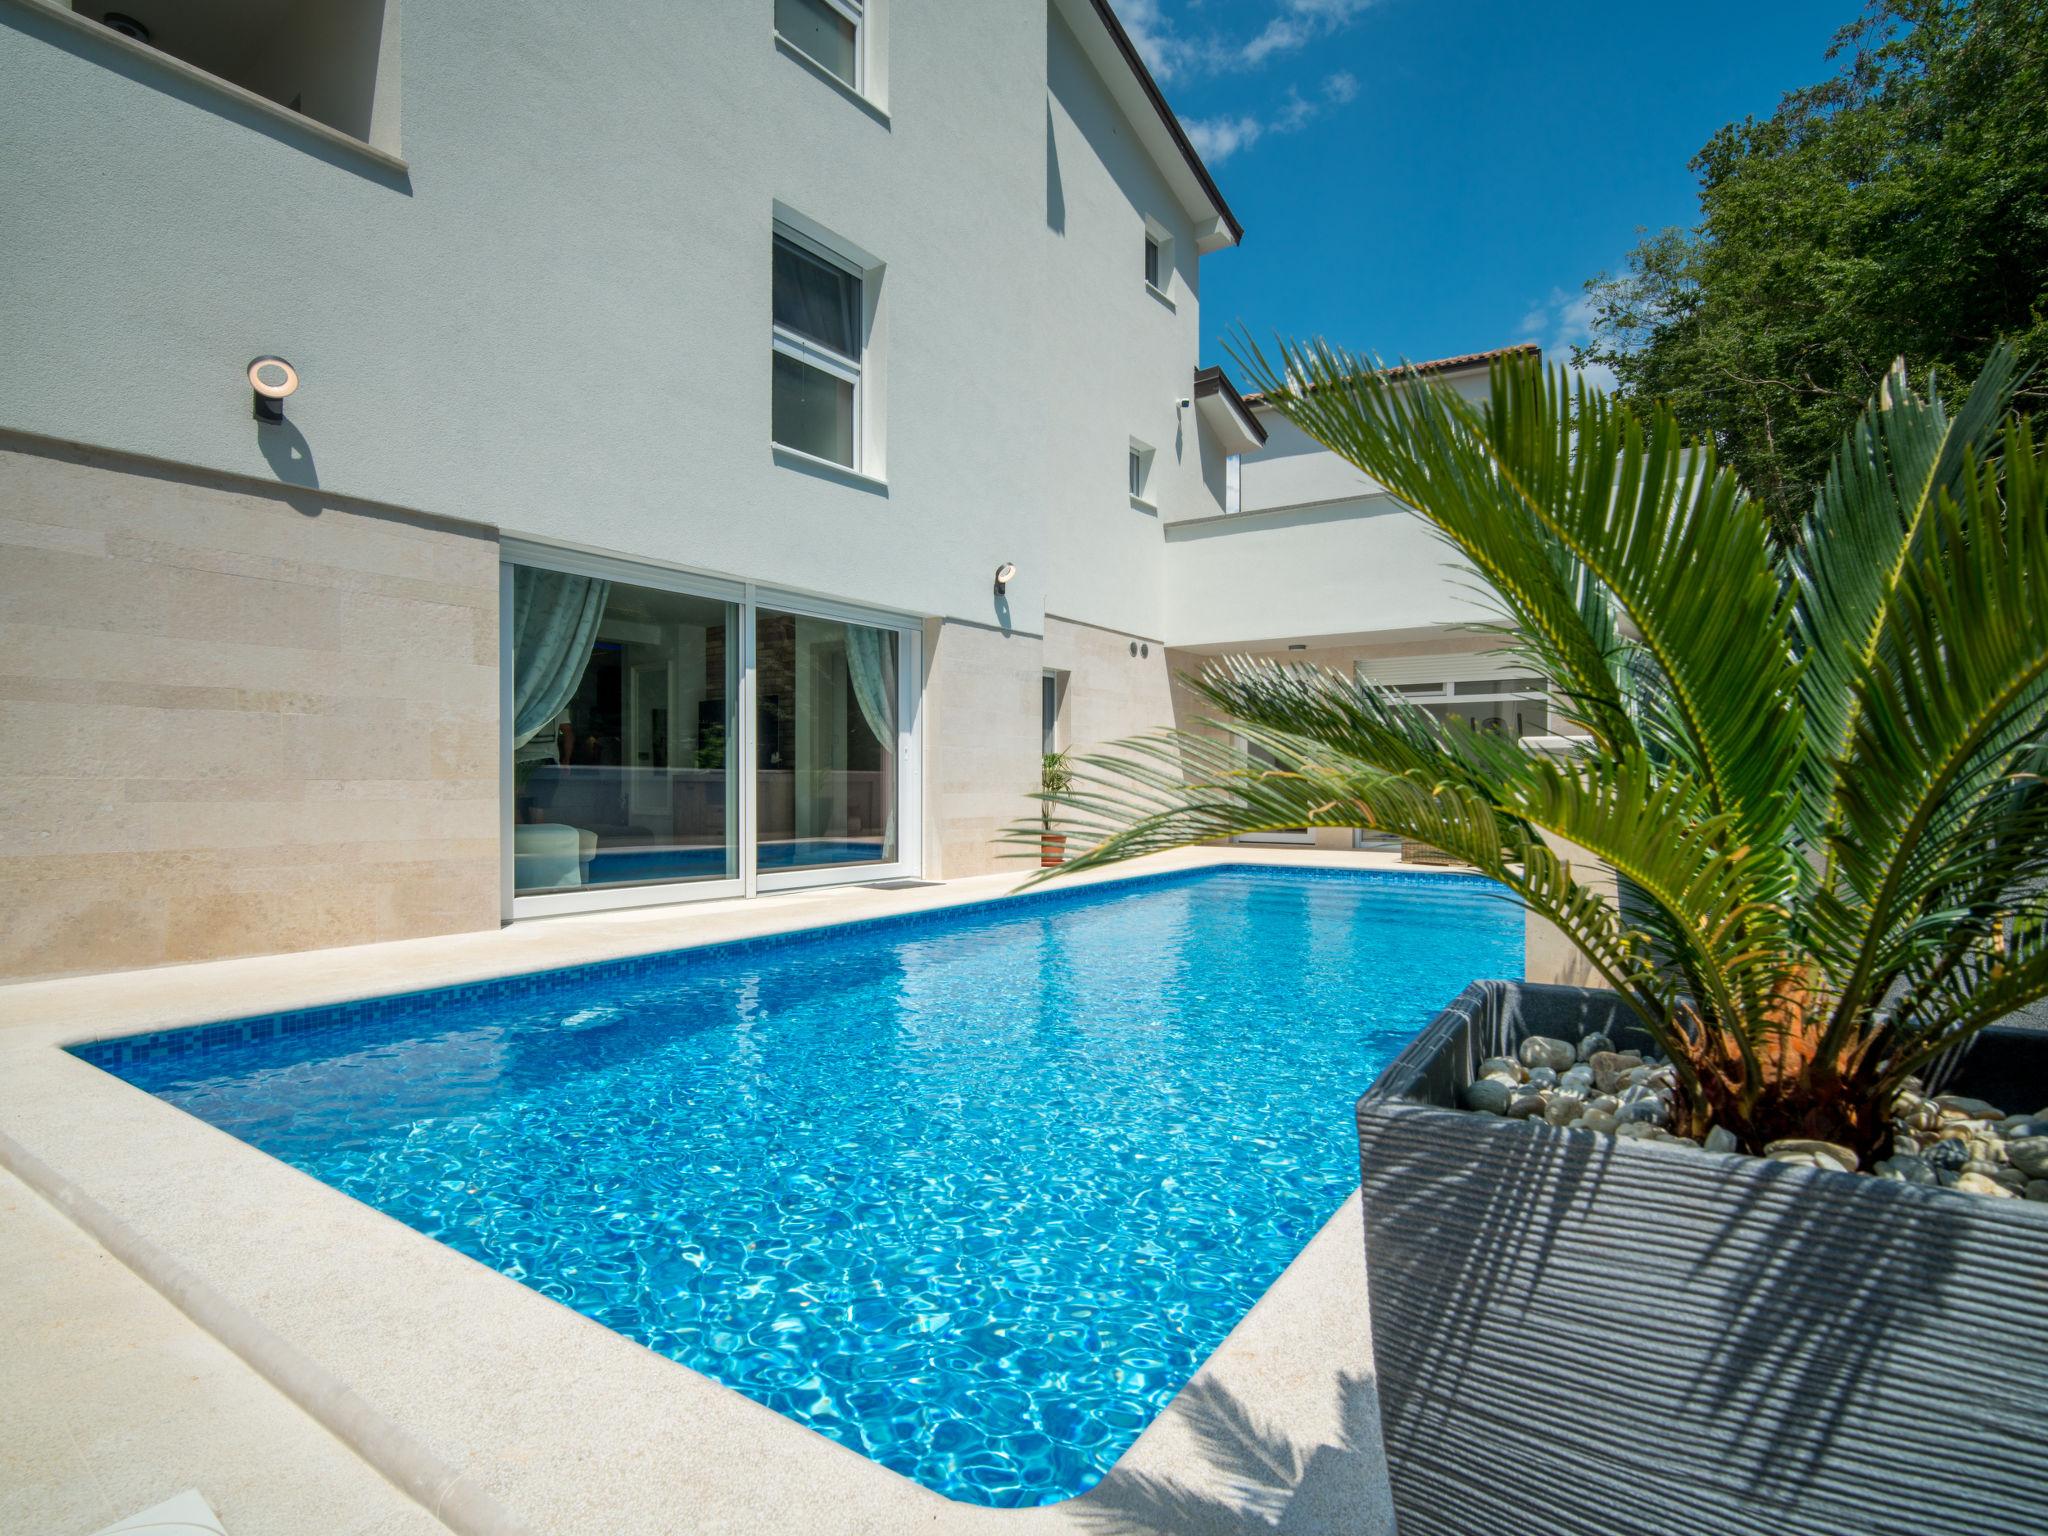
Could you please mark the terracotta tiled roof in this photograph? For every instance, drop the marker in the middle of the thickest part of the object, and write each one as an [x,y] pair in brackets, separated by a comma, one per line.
[1444,364]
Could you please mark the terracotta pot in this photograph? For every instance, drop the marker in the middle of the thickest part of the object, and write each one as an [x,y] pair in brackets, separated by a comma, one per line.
[1052,850]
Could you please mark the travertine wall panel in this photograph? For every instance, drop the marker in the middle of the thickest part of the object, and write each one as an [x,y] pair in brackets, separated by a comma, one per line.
[235,719]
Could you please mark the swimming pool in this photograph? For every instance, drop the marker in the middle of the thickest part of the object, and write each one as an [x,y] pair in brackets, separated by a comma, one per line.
[973,1192]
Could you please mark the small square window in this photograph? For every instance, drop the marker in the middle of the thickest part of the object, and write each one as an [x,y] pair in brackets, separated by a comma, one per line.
[1140,471]
[1151,261]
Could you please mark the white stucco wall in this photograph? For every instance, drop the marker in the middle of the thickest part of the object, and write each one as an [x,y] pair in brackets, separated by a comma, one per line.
[557,324]
[1351,569]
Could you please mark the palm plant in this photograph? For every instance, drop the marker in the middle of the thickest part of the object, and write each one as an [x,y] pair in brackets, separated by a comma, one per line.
[1815,774]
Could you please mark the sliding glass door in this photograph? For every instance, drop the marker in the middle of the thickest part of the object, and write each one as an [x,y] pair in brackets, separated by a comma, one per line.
[825,695]
[658,736]
[622,722]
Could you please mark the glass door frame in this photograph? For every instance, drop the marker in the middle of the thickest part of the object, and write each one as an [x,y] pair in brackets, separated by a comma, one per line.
[909,860]
[745,598]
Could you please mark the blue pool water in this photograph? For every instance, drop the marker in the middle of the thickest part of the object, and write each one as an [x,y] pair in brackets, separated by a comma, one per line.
[973,1193]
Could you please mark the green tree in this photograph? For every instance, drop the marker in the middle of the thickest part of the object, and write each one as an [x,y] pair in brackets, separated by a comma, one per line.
[1899,208]
[1817,770]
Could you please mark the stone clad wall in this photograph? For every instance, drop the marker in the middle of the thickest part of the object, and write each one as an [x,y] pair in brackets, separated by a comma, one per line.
[235,719]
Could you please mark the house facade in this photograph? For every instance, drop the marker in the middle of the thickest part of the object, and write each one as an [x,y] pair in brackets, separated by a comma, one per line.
[461,463]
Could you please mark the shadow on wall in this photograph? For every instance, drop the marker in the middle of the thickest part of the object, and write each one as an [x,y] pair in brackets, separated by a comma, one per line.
[1055,193]
[290,458]
[1339,1489]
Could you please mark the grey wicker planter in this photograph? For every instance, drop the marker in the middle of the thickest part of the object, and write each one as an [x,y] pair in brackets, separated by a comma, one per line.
[1579,1334]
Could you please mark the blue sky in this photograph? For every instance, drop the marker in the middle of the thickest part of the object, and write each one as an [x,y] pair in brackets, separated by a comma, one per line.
[1421,178]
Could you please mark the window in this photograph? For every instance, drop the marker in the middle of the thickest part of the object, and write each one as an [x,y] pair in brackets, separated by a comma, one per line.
[817,338]
[1048,713]
[825,31]
[622,716]
[1233,483]
[826,742]
[318,58]
[1509,706]
[1158,261]
[1141,473]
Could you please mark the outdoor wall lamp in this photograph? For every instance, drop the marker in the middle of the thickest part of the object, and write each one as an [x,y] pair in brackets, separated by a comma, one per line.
[272,378]
[1005,574]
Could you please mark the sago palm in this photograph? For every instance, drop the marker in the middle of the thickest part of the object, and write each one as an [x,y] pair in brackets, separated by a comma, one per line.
[1814,776]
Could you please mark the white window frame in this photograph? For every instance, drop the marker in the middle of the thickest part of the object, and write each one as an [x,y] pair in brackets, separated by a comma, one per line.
[854,11]
[1158,237]
[747,599]
[1140,462]
[828,360]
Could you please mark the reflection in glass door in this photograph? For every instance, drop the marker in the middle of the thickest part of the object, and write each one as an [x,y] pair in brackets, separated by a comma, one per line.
[826,769]
[621,719]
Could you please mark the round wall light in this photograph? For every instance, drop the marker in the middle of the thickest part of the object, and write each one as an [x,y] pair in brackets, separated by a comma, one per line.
[272,378]
[1005,574]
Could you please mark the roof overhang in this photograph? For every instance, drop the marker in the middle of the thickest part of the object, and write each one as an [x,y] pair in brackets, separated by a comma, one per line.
[1467,362]
[1110,49]
[1225,414]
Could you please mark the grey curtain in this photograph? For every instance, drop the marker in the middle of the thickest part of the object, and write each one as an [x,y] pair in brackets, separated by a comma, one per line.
[554,621]
[871,669]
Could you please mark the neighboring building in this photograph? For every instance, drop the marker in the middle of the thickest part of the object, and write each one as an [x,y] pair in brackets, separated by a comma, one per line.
[673,383]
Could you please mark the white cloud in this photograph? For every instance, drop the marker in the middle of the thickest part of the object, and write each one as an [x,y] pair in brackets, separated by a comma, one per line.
[1559,323]
[1216,139]
[1169,53]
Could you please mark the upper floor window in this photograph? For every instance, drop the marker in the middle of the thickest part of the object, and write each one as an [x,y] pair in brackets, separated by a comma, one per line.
[319,58]
[827,31]
[1158,260]
[1141,473]
[817,345]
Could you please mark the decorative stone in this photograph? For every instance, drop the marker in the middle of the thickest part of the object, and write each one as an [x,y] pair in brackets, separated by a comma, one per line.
[1564,1106]
[1977,1184]
[2037,1189]
[1812,1154]
[1487,1095]
[1547,1051]
[1579,1077]
[2029,1154]
[1948,1156]
[1542,1077]
[1603,1120]
[1988,1168]
[1638,1130]
[1906,1168]
[1721,1139]
[2020,1127]
[1501,1066]
[1608,1067]
[1593,1044]
[1969,1109]
[1523,1105]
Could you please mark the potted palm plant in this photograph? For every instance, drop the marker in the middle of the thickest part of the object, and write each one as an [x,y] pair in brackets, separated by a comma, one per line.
[1802,837]
[1055,778]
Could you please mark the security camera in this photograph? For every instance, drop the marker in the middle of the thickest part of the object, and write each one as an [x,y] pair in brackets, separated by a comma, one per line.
[1184,402]
[272,378]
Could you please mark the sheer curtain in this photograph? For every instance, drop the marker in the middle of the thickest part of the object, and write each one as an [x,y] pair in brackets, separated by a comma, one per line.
[871,669]
[554,621]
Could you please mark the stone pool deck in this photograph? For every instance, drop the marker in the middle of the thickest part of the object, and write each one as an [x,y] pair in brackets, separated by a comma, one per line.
[311,1364]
